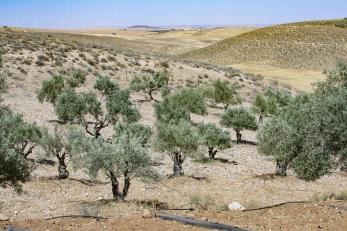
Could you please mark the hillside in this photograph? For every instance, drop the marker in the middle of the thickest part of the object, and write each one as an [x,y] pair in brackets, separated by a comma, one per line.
[307,45]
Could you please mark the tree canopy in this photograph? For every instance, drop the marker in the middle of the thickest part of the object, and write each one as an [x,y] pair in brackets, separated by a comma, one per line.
[223,92]
[150,83]
[239,119]
[310,133]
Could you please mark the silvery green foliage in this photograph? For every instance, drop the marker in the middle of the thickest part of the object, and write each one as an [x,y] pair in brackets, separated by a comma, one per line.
[70,106]
[213,136]
[169,111]
[136,130]
[181,137]
[76,78]
[51,89]
[152,83]
[16,140]
[55,86]
[279,139]
[223,92]
[125,152]
[56,145]
[191,99]
[335,78]
[310,133]
[118,106]
[22,136]
[105,85]
[87,109]
[178,106]
[239,119]
[270,102]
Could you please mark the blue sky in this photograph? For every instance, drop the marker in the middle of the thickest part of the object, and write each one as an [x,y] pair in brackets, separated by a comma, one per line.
[112,13]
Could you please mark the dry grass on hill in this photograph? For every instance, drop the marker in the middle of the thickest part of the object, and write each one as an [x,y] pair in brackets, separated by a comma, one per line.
[286,46]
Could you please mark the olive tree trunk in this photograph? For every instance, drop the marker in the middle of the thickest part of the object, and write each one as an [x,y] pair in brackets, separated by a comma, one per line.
[117,194]
[150,93]
[178,161]
[238,136]
[281,168]
[62,169]
[212,152]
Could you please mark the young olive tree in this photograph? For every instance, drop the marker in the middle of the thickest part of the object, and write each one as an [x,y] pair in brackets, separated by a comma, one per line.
[175,133]
[56,145]
[149,84]
[126,156]
[214,138]
[223,92]
[179,140]
[239,119]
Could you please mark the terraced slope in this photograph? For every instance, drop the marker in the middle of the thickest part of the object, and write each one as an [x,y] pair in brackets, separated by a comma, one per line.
[310,45]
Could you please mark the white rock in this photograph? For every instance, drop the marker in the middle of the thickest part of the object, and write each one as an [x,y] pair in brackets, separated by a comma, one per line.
[147,214]
[235,206]
[3,217]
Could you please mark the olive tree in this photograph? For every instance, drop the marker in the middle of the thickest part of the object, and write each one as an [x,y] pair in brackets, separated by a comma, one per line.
[223,92]
[309,135]
[14,169]
[179,140]
[126,155]
[92,112]
[23,136]
[175,133]
[239,119]
[279,139]
[214,138]
[151,83]
[56,145]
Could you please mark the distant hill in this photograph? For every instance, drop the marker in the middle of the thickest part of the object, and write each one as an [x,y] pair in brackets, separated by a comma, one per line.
[313,45]
[143,27]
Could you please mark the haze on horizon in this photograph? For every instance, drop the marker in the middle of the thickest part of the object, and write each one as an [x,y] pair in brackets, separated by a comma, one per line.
[68,14]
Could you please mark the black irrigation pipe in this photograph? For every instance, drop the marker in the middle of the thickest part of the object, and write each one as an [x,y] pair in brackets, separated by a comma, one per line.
[199,223]
[77,216]
[276,205]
